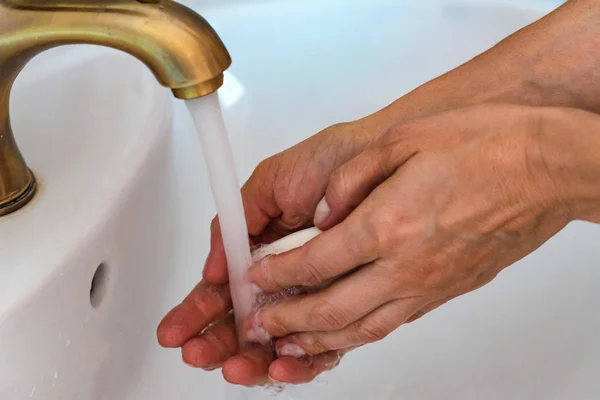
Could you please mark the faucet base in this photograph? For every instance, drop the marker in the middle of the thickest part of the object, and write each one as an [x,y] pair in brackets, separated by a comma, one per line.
[10,206]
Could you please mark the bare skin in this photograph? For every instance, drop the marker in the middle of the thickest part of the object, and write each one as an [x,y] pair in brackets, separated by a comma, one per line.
[401,226]
[410,163]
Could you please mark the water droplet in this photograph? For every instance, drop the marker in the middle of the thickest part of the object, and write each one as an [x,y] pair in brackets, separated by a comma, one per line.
[320,381]
[68,343]
[32,391]
[87,319]
[55,374]
[274,389]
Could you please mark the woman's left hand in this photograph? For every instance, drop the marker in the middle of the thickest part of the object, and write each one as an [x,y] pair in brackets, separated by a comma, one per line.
[434,209]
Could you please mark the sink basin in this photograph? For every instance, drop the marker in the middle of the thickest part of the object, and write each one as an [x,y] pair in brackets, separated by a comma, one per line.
[94,126]
[123,185]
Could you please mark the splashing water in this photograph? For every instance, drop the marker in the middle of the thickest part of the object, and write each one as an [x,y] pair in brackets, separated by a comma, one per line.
[225,186]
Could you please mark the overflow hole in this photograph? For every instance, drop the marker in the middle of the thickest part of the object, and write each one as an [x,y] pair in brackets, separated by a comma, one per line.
[99,285]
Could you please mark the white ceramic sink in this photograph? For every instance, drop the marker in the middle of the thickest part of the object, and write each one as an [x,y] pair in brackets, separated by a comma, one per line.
[94,127]
[123,184]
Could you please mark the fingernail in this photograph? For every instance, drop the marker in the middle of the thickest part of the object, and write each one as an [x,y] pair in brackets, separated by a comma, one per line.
[322,212]
[291,350]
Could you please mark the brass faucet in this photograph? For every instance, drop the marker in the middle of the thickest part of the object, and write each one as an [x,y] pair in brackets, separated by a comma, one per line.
[178,45]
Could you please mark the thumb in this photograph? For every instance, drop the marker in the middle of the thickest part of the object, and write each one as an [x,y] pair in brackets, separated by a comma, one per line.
[352,182]
[215,267]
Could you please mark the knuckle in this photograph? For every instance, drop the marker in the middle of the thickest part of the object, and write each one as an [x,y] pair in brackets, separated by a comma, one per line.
[336,131]
[339,188]
[311,273]
[326,316]
[338,182]
[421,313]
[202,302]
[380,233]
[263,167]
[400,146]
[387,156]
[296,214]
[266,275]
[295,204]
[368,242]
[413,318]
[370,332]
[262,178]
[314,345]
[401,131]
[212,339]
[340,126]
[275,325]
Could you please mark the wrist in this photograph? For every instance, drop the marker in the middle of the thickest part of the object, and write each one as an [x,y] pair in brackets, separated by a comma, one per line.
[559,57]
[570,147]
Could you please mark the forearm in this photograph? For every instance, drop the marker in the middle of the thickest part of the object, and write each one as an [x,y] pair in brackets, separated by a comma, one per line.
[553,62]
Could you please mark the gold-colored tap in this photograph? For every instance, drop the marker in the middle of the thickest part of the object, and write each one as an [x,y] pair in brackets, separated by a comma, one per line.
[178,45]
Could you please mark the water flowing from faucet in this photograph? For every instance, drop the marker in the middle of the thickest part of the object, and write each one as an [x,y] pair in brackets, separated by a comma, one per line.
[225,186]
[210,125]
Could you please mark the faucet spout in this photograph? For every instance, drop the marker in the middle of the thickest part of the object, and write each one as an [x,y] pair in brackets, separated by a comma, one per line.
[182,50]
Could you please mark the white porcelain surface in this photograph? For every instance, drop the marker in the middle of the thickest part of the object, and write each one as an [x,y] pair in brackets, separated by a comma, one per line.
[93,125]
[131,190]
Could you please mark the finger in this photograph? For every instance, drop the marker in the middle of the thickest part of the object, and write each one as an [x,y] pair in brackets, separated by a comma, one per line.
[372,328]
[215,267]
[249,368]
[213,347]
[428,308]
[333,308]
[299,371]
[352,182]
[329,255]
[204,305]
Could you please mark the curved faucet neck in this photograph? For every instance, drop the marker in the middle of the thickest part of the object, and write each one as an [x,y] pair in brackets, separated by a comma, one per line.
[183,51]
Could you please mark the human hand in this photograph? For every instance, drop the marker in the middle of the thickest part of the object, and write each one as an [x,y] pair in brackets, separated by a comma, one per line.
[279,198]
[203,327]
[434,209]
[535,66]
